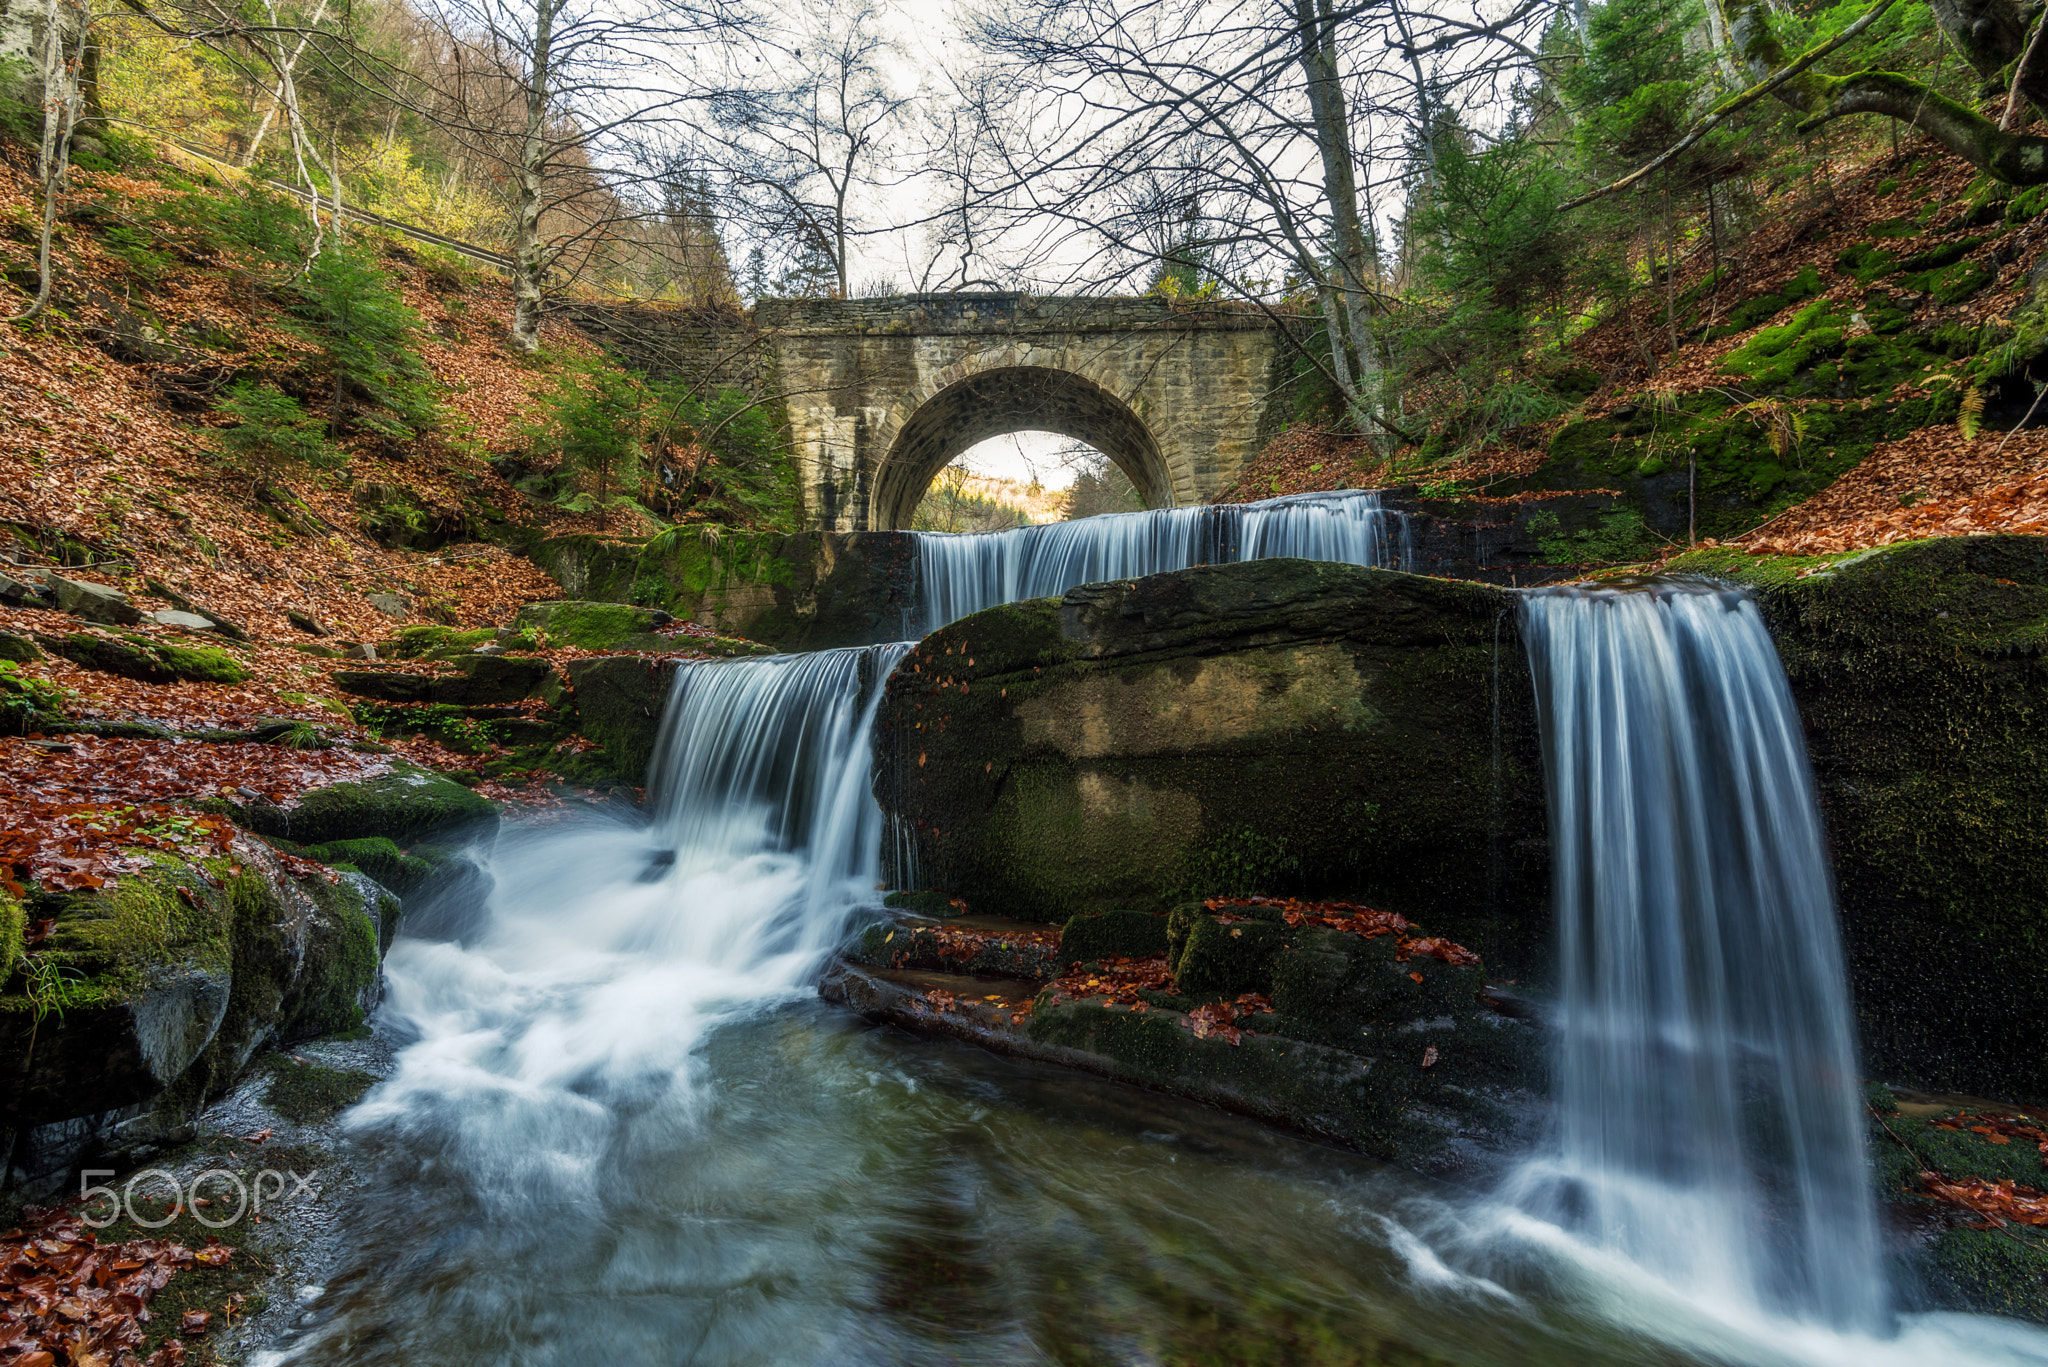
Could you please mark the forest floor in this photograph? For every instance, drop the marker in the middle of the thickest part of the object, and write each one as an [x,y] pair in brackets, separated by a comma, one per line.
[110,474]
[1936,481]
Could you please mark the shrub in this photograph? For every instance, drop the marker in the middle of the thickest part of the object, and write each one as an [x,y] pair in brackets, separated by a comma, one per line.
[368,338]
[273,430]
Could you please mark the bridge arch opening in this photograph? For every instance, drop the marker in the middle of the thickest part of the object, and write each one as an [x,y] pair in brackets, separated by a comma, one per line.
[998,402]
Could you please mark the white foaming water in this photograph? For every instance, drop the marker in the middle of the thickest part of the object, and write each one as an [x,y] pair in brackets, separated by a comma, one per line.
[612,950]
[958,575]
[1709,1111]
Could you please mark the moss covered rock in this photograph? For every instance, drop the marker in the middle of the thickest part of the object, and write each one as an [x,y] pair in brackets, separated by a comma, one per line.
[594,625]
[807,591]
[408,804]
[1112,935]
[151,995]
[619,705]
[1273,726]
[151,661]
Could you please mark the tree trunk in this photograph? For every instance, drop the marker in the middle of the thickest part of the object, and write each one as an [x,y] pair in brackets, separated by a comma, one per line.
[59,46]
[530,255]
[1349,316]
[1982,30]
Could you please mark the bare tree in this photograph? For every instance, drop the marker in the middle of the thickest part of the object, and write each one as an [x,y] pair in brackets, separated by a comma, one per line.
[58,41]
[799,145]
[550,89]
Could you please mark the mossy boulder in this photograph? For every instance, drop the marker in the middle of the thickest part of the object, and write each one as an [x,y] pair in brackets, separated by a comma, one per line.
[619,705]
[1920,675]
[1112,935]
[1272,726]
[1716,465]
[151,995]
[423,642]
[593,625]
[14,646]
[377,856]
[139,657]
[1988,1270]
[489,679]
[806,591]
[407,804]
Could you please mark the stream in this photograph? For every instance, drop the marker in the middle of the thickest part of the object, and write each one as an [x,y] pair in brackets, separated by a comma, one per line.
[623,1129]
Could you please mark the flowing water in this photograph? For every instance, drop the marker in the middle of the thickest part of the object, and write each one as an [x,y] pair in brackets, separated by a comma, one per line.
[958,575]
[1708,1105]
[623,1130]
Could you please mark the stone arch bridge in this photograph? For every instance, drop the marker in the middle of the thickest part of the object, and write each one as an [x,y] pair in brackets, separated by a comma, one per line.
[882,394]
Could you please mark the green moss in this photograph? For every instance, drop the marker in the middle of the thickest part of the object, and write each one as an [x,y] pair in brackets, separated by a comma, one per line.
[13,933]
[1221,960]
[1113,934]
[1239,861]
[340,967]
[589,626]
[1866,261]
[377,856]
[408,804]
[201,664]
[1953,284]
[415,643]
[1919,673]
[1749,313]
[933,903]
[309,1093]
[145,921]
[19,648]
[1946,254]
[1993,1271]
[1775,354]
[1718,464]
[2026,205]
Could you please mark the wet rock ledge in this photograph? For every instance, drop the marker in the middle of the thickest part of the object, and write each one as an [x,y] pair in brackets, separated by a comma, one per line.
[1332,1019]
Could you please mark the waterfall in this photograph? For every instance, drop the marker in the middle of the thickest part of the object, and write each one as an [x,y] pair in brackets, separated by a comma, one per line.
[1709,1111]
[774,753]
[963,574]
[613,948]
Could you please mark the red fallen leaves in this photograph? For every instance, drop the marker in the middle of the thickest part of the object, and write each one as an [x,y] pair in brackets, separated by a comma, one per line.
[964,942]
[67,1299]
[1222,1020]
[1345,916]
[76,818]
[2000,1203]
[1353,919]
[1119,981]
[1440,949]
[84,845]
[1999,1129]
[940,1000]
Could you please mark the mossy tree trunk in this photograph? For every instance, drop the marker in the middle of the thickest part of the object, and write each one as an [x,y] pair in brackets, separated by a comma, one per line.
[1992,35]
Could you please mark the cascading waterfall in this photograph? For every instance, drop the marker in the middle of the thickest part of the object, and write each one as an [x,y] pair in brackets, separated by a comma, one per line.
[959,575]
[774,752]
[611,949]
[1707,1095]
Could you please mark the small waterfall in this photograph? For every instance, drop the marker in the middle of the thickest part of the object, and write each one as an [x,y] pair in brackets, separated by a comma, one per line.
[959,575]
[773,754]
[611,950]
[1709,1109]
